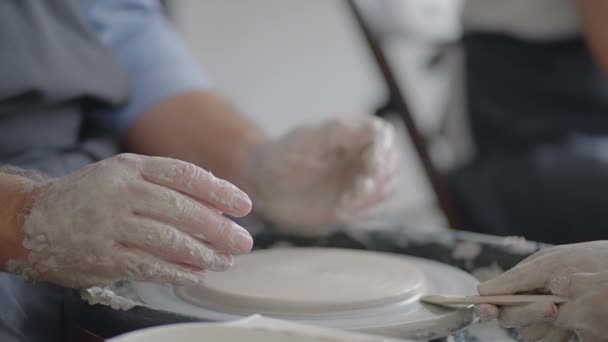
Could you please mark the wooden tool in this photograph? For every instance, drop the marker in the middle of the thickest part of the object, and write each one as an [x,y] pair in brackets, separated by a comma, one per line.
[494,300]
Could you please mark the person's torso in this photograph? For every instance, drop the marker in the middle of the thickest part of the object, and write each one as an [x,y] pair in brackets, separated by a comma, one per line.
[53,70]
[49,57]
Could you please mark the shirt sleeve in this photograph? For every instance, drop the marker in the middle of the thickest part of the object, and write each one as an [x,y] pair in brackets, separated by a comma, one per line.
[154,55]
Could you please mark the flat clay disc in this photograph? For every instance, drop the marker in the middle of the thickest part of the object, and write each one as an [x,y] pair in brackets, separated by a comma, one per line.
[355,290]
[311,281]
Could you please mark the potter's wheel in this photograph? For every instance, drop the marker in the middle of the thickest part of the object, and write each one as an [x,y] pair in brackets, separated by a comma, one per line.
[346,289]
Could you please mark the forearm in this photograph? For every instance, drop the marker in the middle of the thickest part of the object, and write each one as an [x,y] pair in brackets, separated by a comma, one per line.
[15,194]
[199,127]
[594,15]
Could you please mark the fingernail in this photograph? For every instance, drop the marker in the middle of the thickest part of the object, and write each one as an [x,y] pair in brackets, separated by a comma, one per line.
[241,242]
[241,202]
[551,311]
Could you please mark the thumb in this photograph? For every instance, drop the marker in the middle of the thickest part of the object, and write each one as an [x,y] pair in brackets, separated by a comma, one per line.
[523,277]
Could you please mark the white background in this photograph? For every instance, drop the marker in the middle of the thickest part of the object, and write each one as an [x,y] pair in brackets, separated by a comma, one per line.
[284,62]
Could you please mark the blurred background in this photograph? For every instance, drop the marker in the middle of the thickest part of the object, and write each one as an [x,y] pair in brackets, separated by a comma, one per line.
[286,62]
[500,106]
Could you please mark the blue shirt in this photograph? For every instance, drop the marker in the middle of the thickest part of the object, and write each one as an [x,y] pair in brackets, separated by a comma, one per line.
[149,49]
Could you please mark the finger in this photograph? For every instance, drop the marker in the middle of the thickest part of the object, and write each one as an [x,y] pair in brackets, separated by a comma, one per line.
[523,315]
[558,335]
[579,284]
[378,164]
[486,312]
[375,160]
[363,202]
[190,216]
[367,190]
[586,315]
[352,137]
[522,278]
[172,245]
[568,313]
[535,332]
[380,153]
[384,189]
[197,183]
[372,164]
[360,190]
[140,266]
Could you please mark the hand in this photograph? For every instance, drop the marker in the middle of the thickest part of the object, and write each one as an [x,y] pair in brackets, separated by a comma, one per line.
[578,272]
[318,175]
[132,217]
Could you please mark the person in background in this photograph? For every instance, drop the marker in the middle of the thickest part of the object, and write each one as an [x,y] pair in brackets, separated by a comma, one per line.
[537,96]
[83,80]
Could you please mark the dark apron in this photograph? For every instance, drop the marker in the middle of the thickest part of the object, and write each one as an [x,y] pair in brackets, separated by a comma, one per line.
[53,71]
[539,118]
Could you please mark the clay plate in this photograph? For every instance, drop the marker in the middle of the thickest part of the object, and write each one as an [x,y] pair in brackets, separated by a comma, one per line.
[370,292]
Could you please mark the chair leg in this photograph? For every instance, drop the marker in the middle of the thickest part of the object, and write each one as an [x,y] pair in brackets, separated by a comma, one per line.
[397,104]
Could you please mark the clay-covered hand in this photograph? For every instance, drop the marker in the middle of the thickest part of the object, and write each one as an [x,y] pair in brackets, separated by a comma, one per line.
[322,174]
[578,272]
[132,217]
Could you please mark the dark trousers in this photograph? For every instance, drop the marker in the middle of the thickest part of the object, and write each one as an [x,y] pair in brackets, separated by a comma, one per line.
[539,118]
